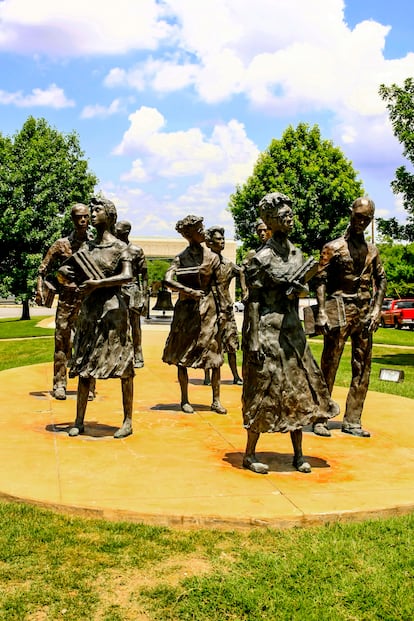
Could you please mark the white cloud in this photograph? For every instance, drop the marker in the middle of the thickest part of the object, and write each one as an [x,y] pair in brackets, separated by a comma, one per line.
[284,56]
[102,112]
[145,123]
[52,97]
[213,163]
[369,140]
[225,157]
[137,172]
[76,27]
[141,209]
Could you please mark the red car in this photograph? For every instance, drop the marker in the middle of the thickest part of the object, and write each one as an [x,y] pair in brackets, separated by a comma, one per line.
[398,313]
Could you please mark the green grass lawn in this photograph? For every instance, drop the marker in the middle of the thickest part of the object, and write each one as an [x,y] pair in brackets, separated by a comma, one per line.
[12,328]
[23,352]
[58,567]
[383,357]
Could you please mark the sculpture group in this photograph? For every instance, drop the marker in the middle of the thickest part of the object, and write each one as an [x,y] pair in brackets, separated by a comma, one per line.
[103,289]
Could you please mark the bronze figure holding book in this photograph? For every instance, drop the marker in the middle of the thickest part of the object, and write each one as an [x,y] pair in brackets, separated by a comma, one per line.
[195,335]
[102,344]
[283,387]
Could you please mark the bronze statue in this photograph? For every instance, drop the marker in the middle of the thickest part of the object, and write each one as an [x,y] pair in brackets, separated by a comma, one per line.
[283,388]
[230,339]
[263,233]
[69,297]
[195,335]
[136,292]
[102,344]
[351,271]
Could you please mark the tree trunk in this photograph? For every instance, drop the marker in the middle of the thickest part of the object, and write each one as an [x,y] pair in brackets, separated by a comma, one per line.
[25,310]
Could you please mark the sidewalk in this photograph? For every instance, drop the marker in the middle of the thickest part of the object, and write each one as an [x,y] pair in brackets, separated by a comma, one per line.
[180,469]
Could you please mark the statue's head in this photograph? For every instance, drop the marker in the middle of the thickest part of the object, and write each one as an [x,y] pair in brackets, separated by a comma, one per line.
[215,238]
[365,205]
[80,216]
[109,208]
[362,214]
[271,203]
[123,229]
[262,230]
[190,225]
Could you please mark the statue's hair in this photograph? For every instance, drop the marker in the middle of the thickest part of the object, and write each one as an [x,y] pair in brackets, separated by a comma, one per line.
[110,210]
[124,224]
[272,202]
[259,222]
[77,206]
[187,224]
[363,200]
[213,229]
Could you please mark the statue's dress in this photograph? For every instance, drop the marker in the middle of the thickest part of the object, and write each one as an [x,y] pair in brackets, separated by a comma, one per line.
[285,389]
[102,344]
[195,336]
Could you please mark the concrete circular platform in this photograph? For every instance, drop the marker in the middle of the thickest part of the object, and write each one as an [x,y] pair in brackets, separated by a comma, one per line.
[181,469]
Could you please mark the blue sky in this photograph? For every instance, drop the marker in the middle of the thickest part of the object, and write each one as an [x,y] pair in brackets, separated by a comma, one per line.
[173,100]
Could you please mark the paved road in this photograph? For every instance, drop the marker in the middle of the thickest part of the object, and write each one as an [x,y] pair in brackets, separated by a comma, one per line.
[15,310]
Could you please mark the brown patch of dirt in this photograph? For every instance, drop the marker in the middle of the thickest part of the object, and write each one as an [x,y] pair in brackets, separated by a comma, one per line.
[122,591]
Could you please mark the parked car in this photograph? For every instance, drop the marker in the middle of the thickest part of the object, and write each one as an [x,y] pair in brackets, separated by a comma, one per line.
[400,313]
[404,314]
[238,307]
[386,318]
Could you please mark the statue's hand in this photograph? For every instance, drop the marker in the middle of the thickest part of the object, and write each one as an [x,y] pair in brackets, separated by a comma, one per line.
[65,275]
[297,290]
[88,286]
[40,300]
[322,322]
[197,294]
[373,320]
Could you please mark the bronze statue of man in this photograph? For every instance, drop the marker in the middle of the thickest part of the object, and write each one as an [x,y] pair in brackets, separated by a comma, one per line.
[350,270]
[263,232]
[69,297]
[136,292]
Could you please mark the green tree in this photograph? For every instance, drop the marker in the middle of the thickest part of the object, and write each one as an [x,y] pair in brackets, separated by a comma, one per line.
[400,105]
[156,270]
[315,174]
[398,261]
[43,172]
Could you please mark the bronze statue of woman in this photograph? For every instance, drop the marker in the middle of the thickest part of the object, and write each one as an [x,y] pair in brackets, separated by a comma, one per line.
[195,335]
[283,387]
[102,344]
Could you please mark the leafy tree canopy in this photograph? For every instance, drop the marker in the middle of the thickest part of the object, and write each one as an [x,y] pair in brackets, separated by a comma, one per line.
[400,105]
[42,173]
[156,270]
[314,173]
[398,261]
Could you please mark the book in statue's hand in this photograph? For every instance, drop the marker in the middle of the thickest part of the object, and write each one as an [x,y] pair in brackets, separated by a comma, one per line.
[189,276]
[84,266]
[306,271]
[302,275]
[48,293]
